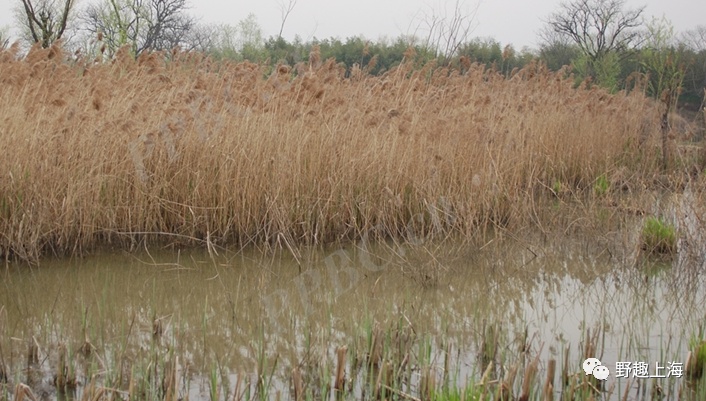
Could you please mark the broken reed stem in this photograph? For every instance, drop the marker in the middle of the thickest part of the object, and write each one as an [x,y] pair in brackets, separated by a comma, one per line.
[131,383]
[340,383]
[22,390]
[530,373]
[298,384]
[505,390]
[237,396]
[171,381]
[549,383]
[484,380]
[565,368]
[403,394]
[427,383]
[445,374]
[61,369]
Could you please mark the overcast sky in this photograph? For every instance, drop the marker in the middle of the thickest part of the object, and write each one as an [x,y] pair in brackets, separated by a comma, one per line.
[508,21]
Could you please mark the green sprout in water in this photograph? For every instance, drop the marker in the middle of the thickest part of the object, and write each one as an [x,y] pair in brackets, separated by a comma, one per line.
[659,237]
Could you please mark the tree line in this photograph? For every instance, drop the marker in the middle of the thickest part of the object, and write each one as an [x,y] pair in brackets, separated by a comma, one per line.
[603,41]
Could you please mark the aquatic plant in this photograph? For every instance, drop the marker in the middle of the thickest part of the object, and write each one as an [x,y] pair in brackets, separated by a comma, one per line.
[658,236]
[180,148]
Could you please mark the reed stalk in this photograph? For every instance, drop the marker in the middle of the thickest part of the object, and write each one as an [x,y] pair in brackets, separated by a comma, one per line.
[181,149]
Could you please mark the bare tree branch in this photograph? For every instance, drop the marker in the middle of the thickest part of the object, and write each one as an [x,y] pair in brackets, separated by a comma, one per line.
[285,10]
[64,17]
[4,39]
[597,26]
[42,22]
[695,38]
[446,33]
[31,19]
[142,24]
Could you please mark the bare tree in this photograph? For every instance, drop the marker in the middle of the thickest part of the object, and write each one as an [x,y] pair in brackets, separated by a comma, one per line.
[109,21]
[142,24]
[167,24]
[45,20]
[4,38]
[285,9]
[597,27]
[695,38]
[445,32]
[201,37]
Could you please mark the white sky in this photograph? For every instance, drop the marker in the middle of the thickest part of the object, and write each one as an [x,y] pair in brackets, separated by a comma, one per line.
[508,21]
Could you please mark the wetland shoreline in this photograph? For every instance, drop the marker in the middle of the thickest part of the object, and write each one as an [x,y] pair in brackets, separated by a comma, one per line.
[211,153]
[294,232]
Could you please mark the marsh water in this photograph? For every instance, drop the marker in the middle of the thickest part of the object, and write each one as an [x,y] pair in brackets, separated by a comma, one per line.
[254,313]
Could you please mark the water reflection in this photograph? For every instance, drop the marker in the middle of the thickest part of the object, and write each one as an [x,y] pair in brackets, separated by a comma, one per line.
[235,311]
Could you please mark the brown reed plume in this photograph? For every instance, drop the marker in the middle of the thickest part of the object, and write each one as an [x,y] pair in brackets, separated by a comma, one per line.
[180,148]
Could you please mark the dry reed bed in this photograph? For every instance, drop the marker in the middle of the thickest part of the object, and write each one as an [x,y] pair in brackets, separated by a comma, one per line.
[229,153]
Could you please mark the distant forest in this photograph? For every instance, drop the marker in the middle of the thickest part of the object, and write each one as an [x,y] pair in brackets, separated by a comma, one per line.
[598,51]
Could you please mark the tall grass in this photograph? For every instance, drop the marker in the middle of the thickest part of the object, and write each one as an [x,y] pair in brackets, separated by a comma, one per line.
[397,367]
[177,146]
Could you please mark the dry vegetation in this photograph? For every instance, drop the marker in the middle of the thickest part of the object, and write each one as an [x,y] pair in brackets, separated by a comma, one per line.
[186,149]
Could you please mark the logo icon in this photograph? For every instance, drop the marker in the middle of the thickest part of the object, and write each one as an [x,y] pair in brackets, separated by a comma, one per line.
[600,372]
[592,366]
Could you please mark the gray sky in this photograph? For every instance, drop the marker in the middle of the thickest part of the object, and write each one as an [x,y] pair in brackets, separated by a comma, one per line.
[508,21]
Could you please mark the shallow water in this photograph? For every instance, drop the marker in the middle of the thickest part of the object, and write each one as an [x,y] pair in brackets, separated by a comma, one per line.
[234,312]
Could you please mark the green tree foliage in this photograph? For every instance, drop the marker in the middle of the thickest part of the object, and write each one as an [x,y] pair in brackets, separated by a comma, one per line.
[601,40]
[374,57]
[493,54]
[279,50]
[557,54]
[355,50]
[693,47]
[604,71]
[661,59]
[665,70]
[669,61]
[483,50]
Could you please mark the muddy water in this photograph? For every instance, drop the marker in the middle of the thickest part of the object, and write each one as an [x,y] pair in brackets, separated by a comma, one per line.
[233,312]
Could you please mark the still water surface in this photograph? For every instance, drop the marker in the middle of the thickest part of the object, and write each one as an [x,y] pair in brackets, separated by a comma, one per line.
[234,310]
